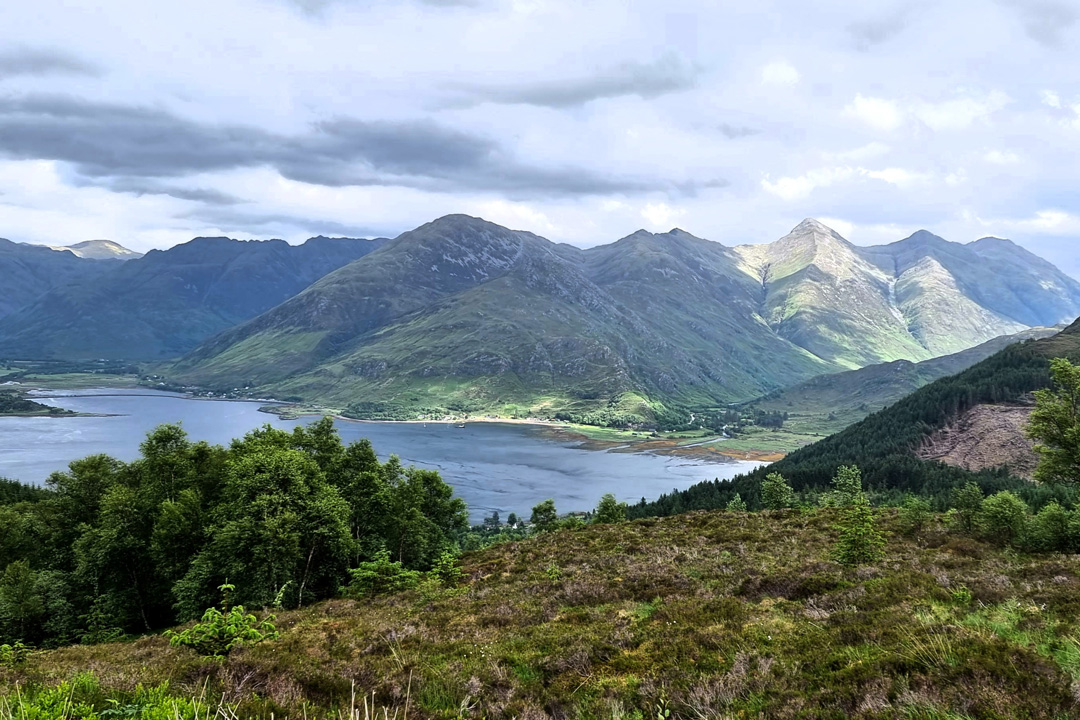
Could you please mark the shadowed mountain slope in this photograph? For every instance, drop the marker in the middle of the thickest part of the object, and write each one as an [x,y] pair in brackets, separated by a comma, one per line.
[29,271]
[166,302]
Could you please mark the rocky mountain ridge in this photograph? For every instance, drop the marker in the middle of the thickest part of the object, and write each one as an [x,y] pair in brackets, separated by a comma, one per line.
[466,311]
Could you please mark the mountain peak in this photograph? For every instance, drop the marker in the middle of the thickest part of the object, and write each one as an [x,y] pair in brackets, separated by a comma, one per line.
[812,225]
[924,237]
[98,250]
[459,222]
[992,240]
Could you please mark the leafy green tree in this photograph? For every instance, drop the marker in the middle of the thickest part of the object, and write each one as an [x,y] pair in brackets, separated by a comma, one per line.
[1003,517]
[967,501]
[425,517]
[776,494]
[281,524]
[544,516]
[1055,425]
[914,514]
[21,606]
[860,540]
[609,510]
[1050,529]
[113,556]
[736,504]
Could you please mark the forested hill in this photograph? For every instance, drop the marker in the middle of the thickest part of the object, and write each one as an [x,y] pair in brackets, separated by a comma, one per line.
[883,444]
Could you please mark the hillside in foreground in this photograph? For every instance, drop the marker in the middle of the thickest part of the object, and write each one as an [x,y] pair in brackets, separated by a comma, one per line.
[705,615]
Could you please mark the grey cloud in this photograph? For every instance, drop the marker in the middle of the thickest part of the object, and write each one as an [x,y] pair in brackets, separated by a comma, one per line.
[734,132]
[868,33]
[42,62]
[667,74]
[112,141]
[140,186]
[1045,21]
[230,220]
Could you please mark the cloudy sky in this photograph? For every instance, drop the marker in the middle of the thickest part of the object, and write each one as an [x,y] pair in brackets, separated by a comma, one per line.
[582,120]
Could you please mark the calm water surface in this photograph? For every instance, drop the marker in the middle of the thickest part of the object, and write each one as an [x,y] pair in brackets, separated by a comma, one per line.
[508,468]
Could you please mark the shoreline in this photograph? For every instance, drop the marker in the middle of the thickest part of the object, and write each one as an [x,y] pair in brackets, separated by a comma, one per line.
[705,449]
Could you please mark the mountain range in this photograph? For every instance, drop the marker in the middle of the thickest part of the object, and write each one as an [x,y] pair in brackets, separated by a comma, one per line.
[30,271]
[465,313]
[162,304]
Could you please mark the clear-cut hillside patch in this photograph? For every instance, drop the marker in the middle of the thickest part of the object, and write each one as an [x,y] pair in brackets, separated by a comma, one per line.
[983,438]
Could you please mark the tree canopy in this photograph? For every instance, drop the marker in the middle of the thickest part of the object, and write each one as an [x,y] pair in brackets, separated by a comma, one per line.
[112,547]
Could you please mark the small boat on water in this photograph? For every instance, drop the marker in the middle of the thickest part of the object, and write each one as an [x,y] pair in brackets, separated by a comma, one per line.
[461,425]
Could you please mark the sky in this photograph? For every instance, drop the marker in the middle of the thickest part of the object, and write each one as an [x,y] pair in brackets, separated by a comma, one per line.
[150,123]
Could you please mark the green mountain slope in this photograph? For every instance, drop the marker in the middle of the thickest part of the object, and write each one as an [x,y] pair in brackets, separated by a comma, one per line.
[997,274]
[466,314]
[166,302]
[886,444]
[29,271]
[913,300]
[830,403]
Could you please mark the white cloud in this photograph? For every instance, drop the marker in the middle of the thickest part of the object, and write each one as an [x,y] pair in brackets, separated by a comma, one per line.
[897,176]
[660,215]
[781,73]
[843,227]
[1050,98]
[957,177]
[1001,157]
[870,151]
[799,187]
[960,113]
[878,113]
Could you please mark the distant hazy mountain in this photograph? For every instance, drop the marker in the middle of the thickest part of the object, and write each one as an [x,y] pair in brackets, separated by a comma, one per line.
[99,250]
[465,312]
[164,303]
[31,270]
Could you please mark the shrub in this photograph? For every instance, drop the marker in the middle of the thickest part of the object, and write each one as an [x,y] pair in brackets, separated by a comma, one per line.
[381,576]
[1002,517]
[609,510]
[914,514]
[220,631]
[860,541]
[776,494]
[446,570]
[961,596]
[13,656]
[571,523]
